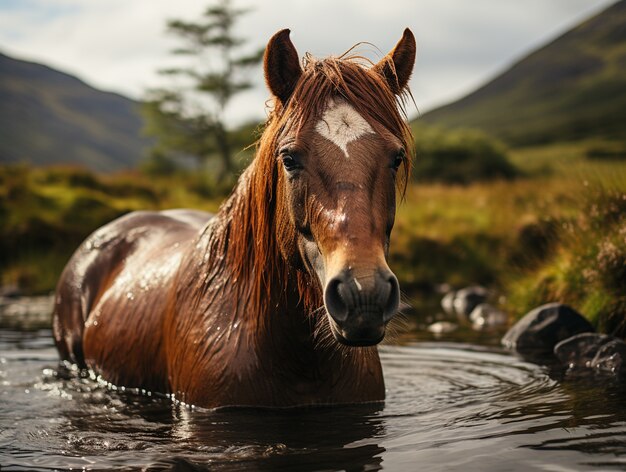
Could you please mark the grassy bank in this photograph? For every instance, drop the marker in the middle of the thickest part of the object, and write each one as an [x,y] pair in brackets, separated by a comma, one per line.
[556,233]
[45,213]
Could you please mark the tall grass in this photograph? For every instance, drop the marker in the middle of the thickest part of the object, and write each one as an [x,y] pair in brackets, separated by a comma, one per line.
[45,213]
[534,239]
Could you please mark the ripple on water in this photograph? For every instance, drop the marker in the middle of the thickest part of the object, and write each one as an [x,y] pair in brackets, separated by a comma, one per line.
[449,406]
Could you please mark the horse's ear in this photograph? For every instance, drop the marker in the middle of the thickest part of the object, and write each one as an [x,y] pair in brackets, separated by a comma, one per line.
[397,66]
[281,65]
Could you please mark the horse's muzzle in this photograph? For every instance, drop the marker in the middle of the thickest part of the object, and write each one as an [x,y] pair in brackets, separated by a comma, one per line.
[360,307]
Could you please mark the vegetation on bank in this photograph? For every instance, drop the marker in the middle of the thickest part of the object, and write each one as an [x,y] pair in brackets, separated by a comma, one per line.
[459,157]
[555,233]
[45,213]
[558,233]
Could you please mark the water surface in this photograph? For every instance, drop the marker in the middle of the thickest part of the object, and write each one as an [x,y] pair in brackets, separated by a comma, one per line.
[450,406]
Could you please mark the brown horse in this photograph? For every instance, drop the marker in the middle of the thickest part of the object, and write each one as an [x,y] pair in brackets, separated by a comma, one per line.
[256,305]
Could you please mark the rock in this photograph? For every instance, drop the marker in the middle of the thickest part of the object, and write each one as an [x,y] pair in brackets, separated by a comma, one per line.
[442,327]
[578,351]
[593,353]
[611,358]
[540,330]
[487,316]
[447,303]
[469,298]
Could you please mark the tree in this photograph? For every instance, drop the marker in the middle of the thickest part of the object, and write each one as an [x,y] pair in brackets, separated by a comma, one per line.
[189,117]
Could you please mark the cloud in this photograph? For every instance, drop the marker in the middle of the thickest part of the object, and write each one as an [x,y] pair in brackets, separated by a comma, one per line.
[119,45]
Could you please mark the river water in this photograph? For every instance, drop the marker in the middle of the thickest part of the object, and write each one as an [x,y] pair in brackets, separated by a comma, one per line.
[450,406]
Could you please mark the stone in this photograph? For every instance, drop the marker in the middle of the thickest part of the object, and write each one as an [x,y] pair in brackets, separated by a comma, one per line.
[540,330]
[578,351]
[447,303]
[467,299]
[611,358]
[485,316]
[442,327]
[593,354]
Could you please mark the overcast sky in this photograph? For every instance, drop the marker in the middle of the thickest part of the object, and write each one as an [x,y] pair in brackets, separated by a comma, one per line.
[118,45]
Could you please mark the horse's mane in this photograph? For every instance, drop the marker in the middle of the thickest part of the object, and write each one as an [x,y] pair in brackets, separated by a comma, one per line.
[253,226]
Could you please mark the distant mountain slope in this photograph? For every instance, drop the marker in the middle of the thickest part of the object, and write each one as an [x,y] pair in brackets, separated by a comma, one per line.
[49,117]
[574,87]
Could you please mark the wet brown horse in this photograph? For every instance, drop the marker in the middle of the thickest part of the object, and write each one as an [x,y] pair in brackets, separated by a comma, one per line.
[256,305]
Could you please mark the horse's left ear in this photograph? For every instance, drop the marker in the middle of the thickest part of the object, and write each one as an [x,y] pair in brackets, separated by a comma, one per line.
[397,66]
[281,66]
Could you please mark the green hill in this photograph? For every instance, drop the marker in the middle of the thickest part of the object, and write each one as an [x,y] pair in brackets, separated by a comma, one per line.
[48,117]
[573,88]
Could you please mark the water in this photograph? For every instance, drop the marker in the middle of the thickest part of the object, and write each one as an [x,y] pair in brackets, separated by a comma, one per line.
[450,406]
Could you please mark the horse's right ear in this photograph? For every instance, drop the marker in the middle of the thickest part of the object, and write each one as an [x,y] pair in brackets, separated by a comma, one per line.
[281,65]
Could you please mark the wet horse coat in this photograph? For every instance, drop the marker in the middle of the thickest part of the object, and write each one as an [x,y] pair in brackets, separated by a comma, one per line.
[279,299]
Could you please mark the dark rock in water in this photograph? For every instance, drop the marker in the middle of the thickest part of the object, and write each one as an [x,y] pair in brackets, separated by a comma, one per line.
[578,351]
[467,299]
[593,353]
[485,316]
[539,331]
[611,358]
[447,303]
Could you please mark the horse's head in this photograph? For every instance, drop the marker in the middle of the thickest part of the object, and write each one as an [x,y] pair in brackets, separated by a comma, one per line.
[340,148]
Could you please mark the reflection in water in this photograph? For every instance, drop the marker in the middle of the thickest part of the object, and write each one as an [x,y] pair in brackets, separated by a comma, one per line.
[449,407]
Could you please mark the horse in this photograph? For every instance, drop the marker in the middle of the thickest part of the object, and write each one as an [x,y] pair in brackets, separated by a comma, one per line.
[281,297]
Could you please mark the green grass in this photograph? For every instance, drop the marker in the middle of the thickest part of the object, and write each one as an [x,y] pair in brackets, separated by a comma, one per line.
[45,213]
[534,240]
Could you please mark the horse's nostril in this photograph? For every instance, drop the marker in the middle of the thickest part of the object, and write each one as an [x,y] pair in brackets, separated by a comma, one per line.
[393,299]
[335,304]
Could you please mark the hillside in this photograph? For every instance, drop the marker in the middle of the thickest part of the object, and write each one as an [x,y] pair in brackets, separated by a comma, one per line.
[572,88]
[47,117]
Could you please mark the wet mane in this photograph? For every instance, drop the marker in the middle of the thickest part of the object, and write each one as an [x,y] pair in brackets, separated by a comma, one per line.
[253,227]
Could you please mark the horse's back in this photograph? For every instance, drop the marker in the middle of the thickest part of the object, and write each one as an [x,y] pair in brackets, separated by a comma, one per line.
[113,293]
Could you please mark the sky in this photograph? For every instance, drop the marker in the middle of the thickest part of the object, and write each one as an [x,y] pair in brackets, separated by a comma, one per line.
[119,45]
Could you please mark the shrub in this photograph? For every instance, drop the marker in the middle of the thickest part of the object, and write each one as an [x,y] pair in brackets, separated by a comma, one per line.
[459,157]
[587,267]
[607,151]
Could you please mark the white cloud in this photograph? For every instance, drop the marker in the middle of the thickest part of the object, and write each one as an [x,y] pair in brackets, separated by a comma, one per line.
[119,44]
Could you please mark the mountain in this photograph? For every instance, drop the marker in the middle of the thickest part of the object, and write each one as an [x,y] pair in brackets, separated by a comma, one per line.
[49,117]
[572,88]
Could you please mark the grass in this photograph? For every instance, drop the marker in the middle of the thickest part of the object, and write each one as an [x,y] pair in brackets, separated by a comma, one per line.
[556,234]
[45,213]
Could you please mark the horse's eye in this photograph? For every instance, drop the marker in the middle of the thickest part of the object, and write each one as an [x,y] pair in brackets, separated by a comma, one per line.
[290,163]
[397,162]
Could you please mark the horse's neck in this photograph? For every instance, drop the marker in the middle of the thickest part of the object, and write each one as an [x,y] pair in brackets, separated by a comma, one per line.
[284,316]
[234,228]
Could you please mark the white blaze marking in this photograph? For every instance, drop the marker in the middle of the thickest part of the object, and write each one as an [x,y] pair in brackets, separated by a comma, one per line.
[341,124]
